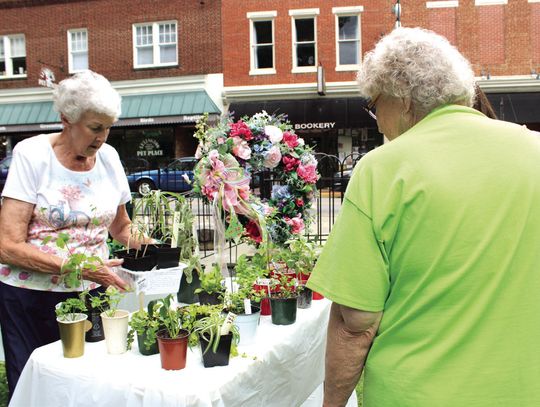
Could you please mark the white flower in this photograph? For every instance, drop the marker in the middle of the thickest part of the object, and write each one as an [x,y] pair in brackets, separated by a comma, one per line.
[301,141]
[274,133]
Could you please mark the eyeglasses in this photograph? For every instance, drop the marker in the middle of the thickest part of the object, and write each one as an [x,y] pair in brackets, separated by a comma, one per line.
[370,108]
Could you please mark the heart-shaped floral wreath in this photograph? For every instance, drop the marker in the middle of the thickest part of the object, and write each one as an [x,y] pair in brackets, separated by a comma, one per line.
[230,152]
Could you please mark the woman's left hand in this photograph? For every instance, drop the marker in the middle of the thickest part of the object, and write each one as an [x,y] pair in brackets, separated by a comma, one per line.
[105,276]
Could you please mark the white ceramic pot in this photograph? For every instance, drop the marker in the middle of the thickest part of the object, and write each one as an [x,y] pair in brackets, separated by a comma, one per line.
[115,329]
[247,326]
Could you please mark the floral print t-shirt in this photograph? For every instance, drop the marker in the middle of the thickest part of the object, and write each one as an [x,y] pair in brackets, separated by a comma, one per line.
[81,204]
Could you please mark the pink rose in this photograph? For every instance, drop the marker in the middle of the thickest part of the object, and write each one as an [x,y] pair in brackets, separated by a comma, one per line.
[290,139]
[241,148]
[272,157]
[308,173]
[275,135]
[296,224]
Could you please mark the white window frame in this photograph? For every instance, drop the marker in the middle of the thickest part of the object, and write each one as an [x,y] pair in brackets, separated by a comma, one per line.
[442,4]
[155,44]
[71,51]
[303,14]
[348,12]
[490,2]
[255,17]
[6,40]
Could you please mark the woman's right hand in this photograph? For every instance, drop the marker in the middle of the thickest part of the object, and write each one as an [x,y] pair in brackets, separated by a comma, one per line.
[105,276]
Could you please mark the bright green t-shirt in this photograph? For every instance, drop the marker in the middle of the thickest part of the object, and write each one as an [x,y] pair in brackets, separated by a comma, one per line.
[440,229]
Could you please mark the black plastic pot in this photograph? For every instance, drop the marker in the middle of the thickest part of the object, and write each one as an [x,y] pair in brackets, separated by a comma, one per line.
[283,310]
[135,261]
[210,299]
[153,350]
[94,334]
[221,356]
[166,255]
[186,292]
[305,295]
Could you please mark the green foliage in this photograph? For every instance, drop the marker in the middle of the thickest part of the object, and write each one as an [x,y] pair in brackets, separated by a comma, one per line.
[171,318]
[300,254]
[108,301]
[68,309]
[284,287]
[75,263]
[3,386]
[146,323]
[211,281]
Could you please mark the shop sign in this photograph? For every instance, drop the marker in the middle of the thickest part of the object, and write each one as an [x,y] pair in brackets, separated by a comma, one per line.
[149,147]
[309,126]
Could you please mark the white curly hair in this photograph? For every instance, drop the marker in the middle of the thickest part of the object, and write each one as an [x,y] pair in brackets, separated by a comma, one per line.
[86,91]
[418,64]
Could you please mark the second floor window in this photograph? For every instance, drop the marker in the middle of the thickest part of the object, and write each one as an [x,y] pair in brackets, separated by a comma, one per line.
[263,44]
[78,50]
[304,45]
[12,56]
[348,40]
[155,44]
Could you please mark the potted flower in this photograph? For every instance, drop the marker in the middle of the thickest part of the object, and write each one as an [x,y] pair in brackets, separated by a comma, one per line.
[115,321]
[217,335]
[173,338]
[211,290]
[283,300]
[72,323]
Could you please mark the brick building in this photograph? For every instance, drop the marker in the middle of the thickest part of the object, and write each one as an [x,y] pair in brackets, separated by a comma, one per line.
[163,56]
[172,60]
[275,54]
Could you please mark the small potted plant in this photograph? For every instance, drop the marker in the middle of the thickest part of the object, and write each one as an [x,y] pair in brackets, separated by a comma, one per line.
[211,290]
[115,321]
[217,335]
[72,323]
[145,324]
[283,300]
[300,255]
[244,300]
[173,339]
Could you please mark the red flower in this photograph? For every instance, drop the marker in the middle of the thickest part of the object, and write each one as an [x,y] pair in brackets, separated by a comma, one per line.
[290,163]
[299,202]
[240,129]
[290,139]
[253,231]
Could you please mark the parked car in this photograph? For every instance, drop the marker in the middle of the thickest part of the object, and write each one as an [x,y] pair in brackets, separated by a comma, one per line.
[170,178]
[4,168]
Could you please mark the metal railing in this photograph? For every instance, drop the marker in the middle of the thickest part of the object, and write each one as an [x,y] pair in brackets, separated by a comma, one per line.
[335,174]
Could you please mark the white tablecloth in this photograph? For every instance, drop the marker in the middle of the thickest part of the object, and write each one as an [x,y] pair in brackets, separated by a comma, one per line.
[284,368]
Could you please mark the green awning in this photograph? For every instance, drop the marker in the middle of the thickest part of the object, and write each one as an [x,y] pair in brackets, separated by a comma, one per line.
[179,107]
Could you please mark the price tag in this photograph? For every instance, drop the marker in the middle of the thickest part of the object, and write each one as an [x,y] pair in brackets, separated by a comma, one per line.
[247,306]
[226,327]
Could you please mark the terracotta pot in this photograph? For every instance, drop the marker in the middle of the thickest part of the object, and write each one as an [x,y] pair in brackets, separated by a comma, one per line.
[172,351]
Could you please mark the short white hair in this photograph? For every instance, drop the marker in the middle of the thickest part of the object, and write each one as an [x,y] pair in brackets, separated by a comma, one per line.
[418,64]
[86,91]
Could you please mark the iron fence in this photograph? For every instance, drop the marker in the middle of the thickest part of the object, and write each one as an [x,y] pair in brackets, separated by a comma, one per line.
[335,174]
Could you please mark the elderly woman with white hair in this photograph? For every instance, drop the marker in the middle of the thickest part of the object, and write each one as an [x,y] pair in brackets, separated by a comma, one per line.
[433,263]
[71,183]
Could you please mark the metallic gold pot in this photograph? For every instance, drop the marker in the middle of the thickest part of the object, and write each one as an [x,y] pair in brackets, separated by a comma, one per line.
[72,335]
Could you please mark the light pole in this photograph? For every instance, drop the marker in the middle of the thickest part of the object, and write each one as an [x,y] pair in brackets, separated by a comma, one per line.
[396,9]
